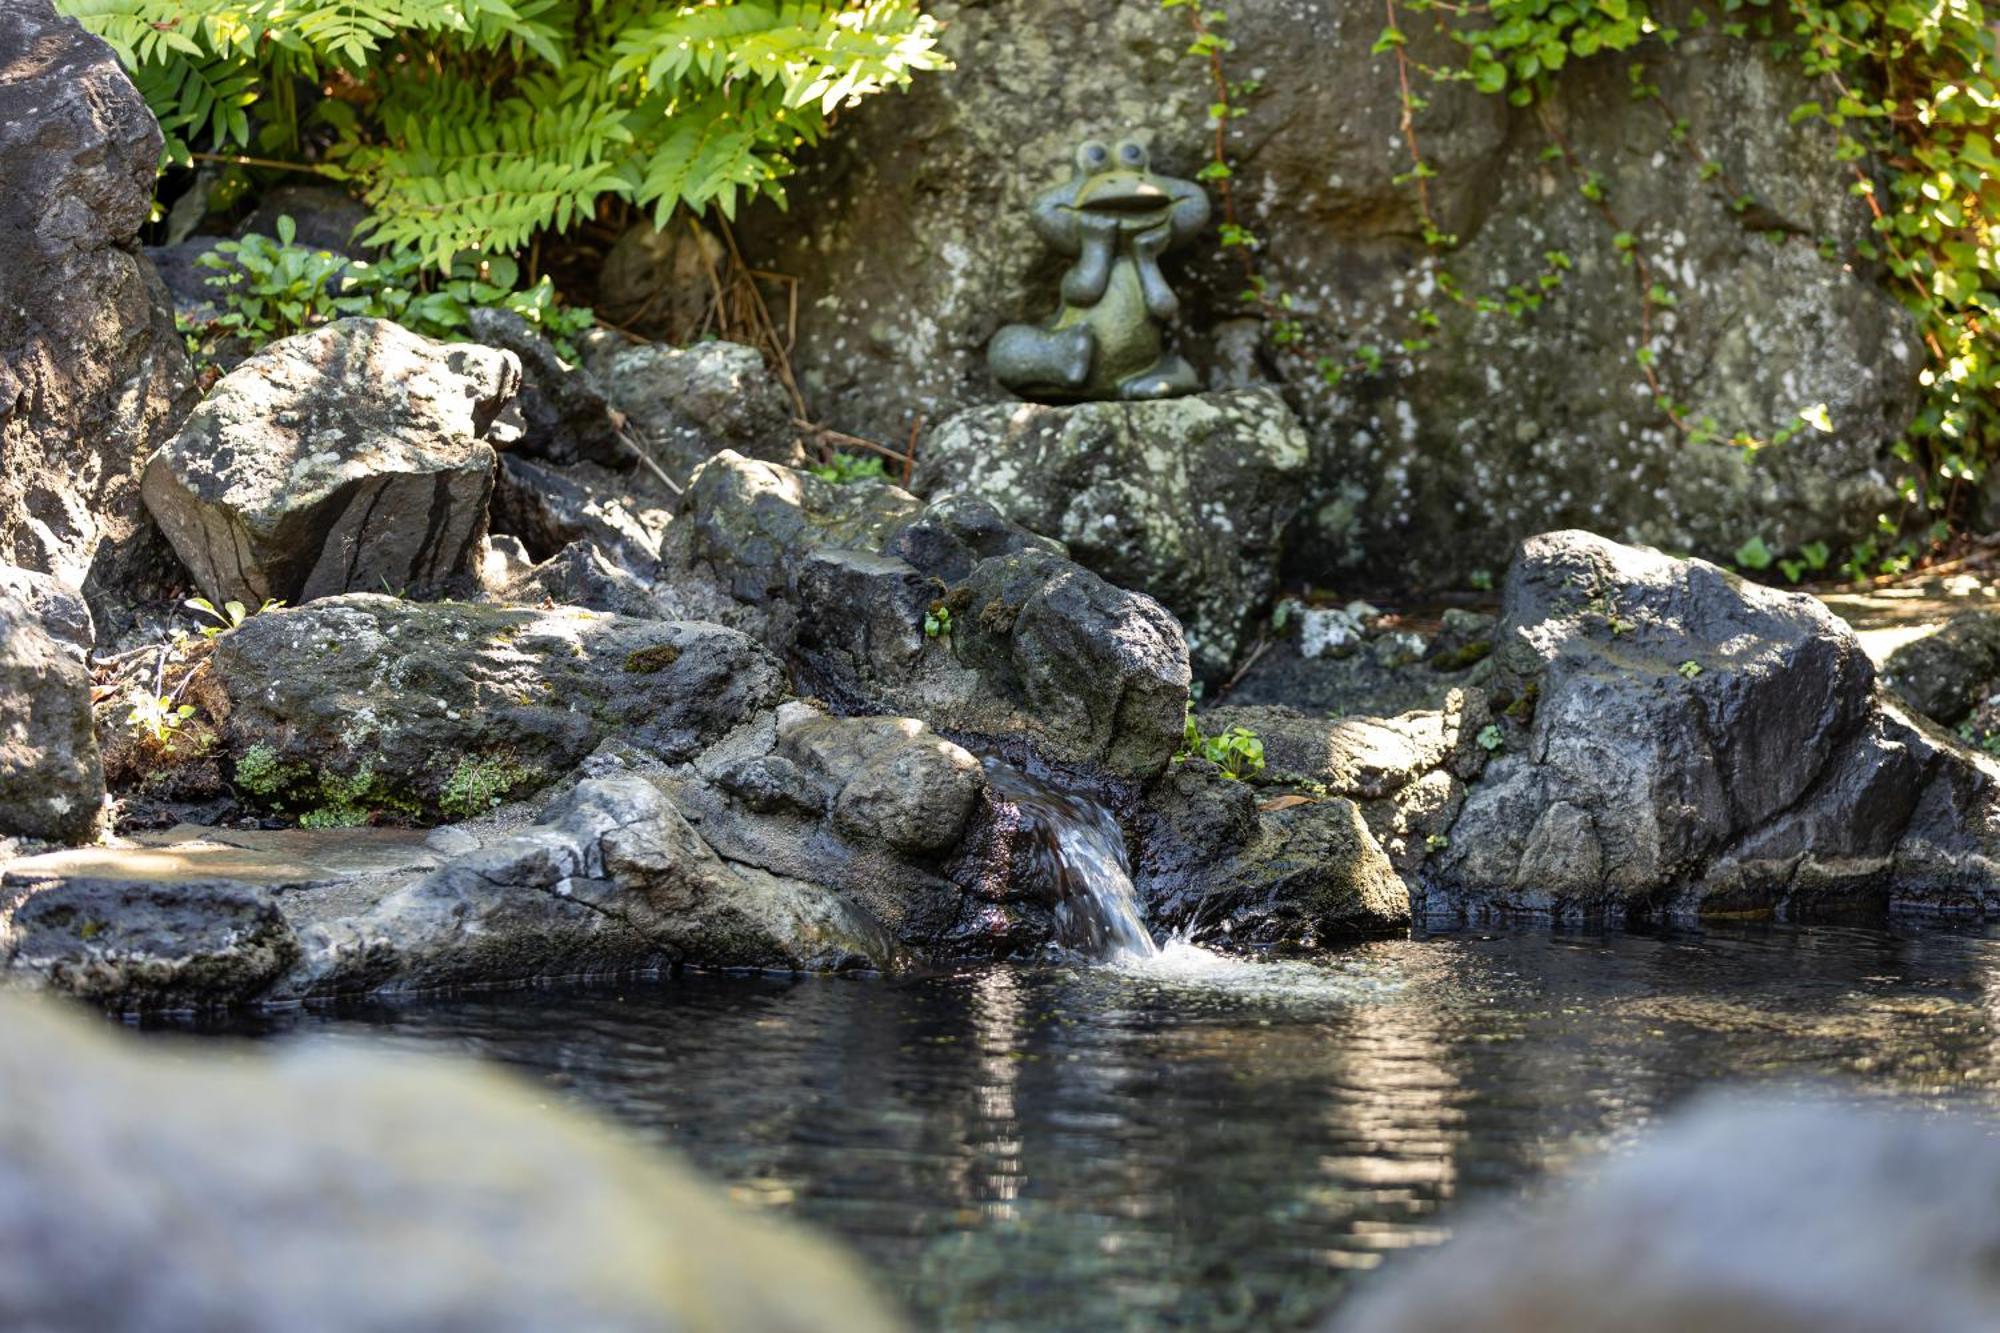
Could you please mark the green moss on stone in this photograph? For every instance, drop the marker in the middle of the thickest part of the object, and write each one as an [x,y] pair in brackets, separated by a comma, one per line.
[477,785]
[645,661]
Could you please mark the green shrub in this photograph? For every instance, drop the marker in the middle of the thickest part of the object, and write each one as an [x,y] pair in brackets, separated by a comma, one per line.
[273,288]
[470,126]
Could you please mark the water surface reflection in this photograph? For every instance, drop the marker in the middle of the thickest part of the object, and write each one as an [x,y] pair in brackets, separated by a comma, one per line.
[1193,1143]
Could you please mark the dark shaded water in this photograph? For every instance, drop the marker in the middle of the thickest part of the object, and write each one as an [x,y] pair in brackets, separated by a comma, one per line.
[1195,1144]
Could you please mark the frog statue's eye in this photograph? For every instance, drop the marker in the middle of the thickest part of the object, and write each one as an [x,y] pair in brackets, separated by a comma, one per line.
[1092,155]
[1132,153]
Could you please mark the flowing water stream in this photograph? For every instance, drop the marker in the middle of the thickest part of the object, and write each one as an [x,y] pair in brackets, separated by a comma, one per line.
[1078,850]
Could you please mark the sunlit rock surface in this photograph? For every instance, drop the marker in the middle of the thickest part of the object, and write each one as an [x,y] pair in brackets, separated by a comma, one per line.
[348,458]
[1740,1218]
[51,777]
[176,1187]
[1186,500]
[92,373]
[1672,740]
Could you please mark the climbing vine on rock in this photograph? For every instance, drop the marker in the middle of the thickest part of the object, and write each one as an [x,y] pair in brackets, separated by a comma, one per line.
[1910,89]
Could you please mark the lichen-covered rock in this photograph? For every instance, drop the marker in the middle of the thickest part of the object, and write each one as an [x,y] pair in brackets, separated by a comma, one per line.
[346,458]
[63,613]
[1948,674]
[1433,464]
[1222,865]
[691,403]
[363,703]
[51,779]
[148,1188]
[1186,499]
[1676,741]
[947,613]
[92,373]
[1741,1217]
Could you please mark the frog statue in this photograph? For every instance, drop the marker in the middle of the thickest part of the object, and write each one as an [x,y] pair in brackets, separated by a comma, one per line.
[1117,218]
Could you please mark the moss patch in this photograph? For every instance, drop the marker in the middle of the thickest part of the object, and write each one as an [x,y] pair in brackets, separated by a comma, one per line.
[477,785]
[645,661]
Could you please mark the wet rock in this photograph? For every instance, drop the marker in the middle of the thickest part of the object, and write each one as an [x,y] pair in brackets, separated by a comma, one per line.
[1435,464]
[1407,773]
[149,1187]
[51,779]
[92,373]
[564,418]
[946,613]
[1186,500]
[549,508]
[1221,863]
[135,943]
[365,703]
[890,779]
[691,403]
[1674,740]
[610,880]
[1740,1217]
[1948,674]
[349,457]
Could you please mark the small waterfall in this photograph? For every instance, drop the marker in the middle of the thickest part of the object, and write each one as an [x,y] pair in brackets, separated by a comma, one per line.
[1079,849]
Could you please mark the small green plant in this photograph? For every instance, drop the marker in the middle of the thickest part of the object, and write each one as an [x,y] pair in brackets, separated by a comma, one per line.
[1436,842]
[478,785]
[937,621]
[260,772]
[1480,580]
[272,288]
[231,616]
[157,717]
[1238,751]
[1689,669]
[843,468]
[1754,555]
[1491,738]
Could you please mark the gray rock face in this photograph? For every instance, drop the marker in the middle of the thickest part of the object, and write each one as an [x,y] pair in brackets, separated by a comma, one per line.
[839,580]
[1435,464]
[1218,866]
[1739,1218]
[343,459]
[691,403]
[51,779]
[92,374]
[564,417]
[364,702]
[1946,675]
[147,1188]
[1697,744]
[1186,500]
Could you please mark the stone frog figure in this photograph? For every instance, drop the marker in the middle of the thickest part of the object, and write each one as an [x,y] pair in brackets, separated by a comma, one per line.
[1117,218]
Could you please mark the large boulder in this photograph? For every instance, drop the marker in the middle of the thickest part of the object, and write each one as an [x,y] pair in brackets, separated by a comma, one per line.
[690,403]
[364,703]
[347,458]
[92,373]
[1948,674]
[51,779]
[1430,464]
[1673,741]
[945,612]
[149,1187]
[1186,499]
[1740,1218]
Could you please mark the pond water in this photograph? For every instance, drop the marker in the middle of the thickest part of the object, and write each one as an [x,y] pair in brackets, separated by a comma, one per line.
[1191,1143]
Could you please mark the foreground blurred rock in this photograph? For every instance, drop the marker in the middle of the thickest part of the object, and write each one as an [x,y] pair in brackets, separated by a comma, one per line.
[182,1188]
[1672,740]
[92,373]
[1430,465]
[348,458]
[1740,1218]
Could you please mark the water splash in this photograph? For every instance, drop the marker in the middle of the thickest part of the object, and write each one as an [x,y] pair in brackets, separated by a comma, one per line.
[1079,850]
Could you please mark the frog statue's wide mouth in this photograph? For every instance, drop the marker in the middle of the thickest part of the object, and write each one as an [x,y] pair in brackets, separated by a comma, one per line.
[1123,194]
